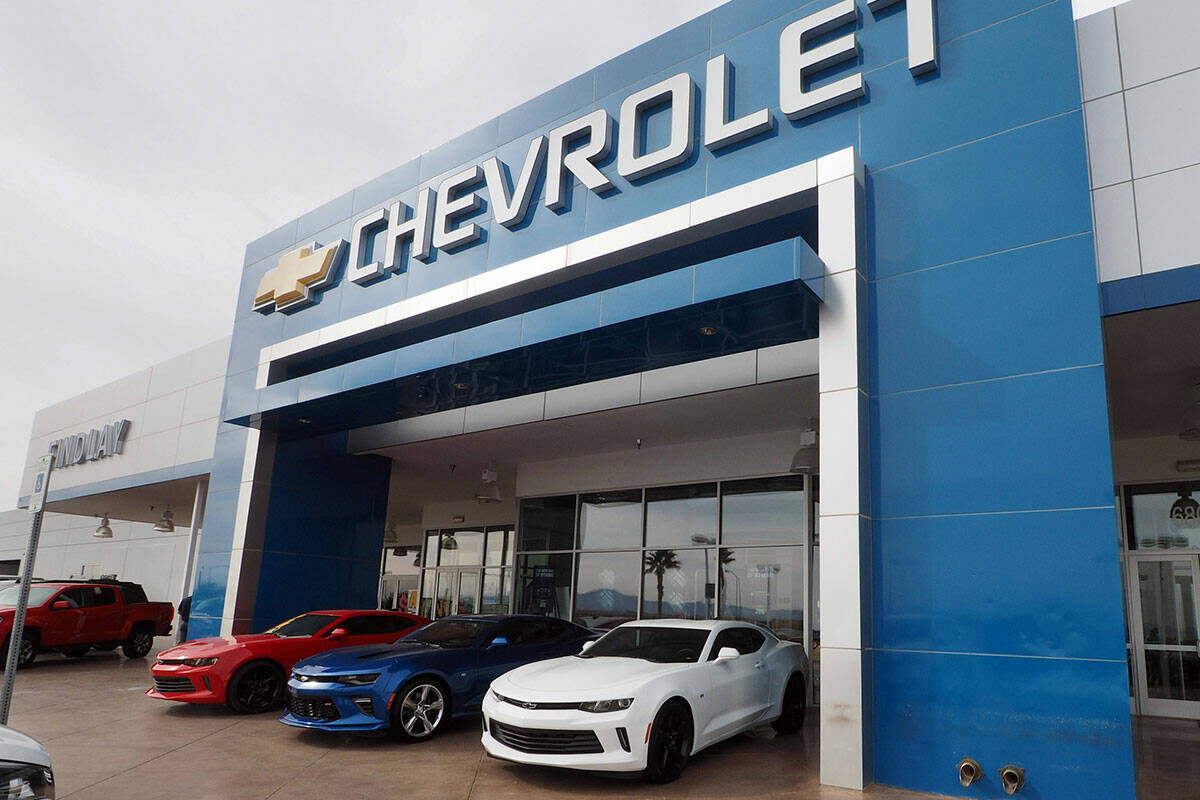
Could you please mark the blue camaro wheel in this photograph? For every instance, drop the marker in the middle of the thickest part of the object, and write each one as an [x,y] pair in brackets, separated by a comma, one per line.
[420,708]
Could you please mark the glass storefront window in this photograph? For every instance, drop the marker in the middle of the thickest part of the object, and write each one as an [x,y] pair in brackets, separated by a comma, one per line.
[431,549]
[610,520]
[678,583]
[606,588]
[461,547]
[495,591]
[681,516]
[425,607]
[500,542]
[547,523]
[1165,518]
[764,585]
[544,584]
[763,511]
[444,596]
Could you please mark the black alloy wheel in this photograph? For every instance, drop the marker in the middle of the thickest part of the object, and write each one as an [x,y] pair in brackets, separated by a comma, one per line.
[256,687]
[419,710]
[670,743]
[139,643]
[795,704]
[25,655]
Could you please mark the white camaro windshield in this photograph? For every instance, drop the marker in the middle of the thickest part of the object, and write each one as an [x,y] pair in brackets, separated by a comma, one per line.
[661,645]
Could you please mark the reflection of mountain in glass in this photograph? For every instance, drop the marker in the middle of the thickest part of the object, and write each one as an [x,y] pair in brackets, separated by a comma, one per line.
[605,608]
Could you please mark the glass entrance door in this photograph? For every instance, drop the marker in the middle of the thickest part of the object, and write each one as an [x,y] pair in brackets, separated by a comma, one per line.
[1165,593]
[457,592]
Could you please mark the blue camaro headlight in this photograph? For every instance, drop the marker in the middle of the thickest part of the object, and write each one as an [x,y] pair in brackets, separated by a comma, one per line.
[365,679]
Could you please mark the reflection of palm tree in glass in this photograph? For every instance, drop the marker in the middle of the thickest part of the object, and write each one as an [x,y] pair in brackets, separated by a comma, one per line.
[724,556]
[658,562]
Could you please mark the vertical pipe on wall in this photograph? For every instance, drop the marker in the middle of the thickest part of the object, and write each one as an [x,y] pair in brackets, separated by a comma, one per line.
[189,565]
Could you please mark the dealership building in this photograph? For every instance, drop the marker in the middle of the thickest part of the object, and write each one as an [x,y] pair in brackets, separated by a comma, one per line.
[872,321]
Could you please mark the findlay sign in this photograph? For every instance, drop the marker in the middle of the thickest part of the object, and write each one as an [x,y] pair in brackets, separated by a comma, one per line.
[90,446]
[438,222]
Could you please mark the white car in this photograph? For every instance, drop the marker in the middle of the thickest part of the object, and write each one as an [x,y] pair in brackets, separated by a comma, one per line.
[646,696]
[24,767]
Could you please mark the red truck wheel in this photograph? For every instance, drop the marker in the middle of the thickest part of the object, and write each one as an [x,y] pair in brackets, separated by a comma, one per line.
[28,650]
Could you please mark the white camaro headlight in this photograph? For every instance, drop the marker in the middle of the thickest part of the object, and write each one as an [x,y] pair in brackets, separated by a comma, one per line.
[603,706]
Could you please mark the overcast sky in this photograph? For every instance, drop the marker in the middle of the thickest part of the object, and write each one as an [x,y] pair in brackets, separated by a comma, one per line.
[143,144]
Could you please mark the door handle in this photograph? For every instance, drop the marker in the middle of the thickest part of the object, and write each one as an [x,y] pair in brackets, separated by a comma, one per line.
[758,665]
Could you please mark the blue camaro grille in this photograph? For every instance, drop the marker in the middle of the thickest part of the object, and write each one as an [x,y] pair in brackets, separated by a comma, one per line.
[312,707]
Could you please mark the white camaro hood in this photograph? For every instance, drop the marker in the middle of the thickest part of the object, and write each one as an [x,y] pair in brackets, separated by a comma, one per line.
[582,677]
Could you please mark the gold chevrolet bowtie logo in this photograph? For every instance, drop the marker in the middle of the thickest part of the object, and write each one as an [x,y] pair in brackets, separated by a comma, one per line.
[299,273]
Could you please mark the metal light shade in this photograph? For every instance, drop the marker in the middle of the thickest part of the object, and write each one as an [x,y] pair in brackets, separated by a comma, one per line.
[488,493]
[165,525]
[807,460]
[1189,426]
[489,487]
[449,542]
[104,531]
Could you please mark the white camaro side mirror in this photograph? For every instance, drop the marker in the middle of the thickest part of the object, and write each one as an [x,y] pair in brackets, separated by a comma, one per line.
[727,654]
[587,646]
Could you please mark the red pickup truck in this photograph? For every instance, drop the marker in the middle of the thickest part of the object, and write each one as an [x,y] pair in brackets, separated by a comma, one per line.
[75,616]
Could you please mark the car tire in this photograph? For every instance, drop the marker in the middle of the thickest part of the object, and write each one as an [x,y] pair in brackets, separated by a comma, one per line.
[795,704]
[76,651]
[28,651]
[256,687]
[139,643]
[419,710]
[670,743]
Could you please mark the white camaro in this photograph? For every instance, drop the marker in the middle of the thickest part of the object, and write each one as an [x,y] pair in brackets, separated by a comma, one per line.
[646,696]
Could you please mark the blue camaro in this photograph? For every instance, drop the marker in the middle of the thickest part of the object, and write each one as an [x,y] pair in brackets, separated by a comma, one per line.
[410,688]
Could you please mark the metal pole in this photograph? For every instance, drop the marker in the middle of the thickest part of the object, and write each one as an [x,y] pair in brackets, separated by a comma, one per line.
[36,502]
[193,539]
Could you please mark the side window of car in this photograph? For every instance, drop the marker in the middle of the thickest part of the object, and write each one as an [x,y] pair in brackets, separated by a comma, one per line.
[401,624]
[724,639]
[358,626]
[524,632]
[103,596]
[75,596]
[748,640]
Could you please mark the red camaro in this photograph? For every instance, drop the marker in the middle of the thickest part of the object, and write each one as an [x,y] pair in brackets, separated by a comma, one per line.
[248,672]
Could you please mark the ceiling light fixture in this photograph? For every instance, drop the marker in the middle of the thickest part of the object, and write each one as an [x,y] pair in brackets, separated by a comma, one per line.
[1189,426]
[489,486]
[449,542]
[166,523]
[807,459]
[104,531]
